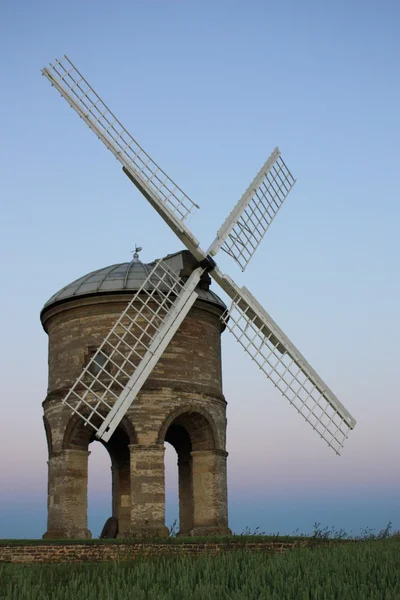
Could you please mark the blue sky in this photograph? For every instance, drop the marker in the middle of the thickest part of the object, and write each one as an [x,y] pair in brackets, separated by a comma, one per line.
[209,89]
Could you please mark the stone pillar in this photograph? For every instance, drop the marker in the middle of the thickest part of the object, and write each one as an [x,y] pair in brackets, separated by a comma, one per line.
[147,492]
[185,494]
[121,495]
[67,495]
[210,502]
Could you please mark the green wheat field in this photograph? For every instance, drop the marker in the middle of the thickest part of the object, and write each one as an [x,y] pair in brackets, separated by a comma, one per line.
[366,570]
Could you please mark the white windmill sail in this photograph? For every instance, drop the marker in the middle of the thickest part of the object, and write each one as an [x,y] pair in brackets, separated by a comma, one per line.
[87,103]
[286,367]
[113,377]
[244,228]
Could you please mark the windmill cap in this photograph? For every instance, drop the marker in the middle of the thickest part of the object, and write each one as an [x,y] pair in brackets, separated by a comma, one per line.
[129,277]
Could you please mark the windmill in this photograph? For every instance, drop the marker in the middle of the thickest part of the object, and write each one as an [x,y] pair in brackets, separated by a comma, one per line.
[157,309]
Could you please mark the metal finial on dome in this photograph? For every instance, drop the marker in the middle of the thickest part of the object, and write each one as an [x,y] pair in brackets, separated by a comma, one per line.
[136,253]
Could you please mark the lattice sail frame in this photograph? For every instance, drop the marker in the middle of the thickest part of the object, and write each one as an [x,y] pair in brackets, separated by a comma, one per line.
[81,97]
[281,362]
[245,227]
[103,384]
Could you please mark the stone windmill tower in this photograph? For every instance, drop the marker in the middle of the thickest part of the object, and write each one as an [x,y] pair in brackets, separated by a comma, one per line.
[163,342]
[181,403]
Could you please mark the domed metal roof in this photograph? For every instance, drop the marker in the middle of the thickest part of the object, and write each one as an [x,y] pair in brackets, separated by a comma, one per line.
[128,277]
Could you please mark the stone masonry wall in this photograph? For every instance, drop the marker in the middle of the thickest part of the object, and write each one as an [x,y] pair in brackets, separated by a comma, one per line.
[81,323]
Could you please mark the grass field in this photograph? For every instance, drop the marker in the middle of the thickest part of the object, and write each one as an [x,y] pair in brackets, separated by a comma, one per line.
[367,570]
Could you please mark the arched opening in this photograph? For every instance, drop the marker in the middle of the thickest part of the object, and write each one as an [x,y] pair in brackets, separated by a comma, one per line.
[99,487]
[108,468]
[185,432]
[171,489]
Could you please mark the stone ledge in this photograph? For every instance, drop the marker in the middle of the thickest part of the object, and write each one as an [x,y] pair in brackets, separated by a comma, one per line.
[152,385]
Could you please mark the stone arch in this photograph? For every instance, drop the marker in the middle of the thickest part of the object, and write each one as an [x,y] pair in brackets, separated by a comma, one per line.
[77,435]
[197,422]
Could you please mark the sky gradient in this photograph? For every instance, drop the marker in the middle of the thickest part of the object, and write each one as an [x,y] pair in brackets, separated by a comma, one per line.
[209,89]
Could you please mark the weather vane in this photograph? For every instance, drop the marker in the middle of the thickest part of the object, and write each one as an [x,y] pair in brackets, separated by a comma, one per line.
[136,252]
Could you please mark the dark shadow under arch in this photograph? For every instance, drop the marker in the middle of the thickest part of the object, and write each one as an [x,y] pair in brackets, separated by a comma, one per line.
[49,437]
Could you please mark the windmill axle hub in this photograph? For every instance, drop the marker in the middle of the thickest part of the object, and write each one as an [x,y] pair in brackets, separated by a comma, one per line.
[208,264]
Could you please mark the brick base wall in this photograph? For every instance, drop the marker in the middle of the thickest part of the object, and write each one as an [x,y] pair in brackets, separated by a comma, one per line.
[72,553]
